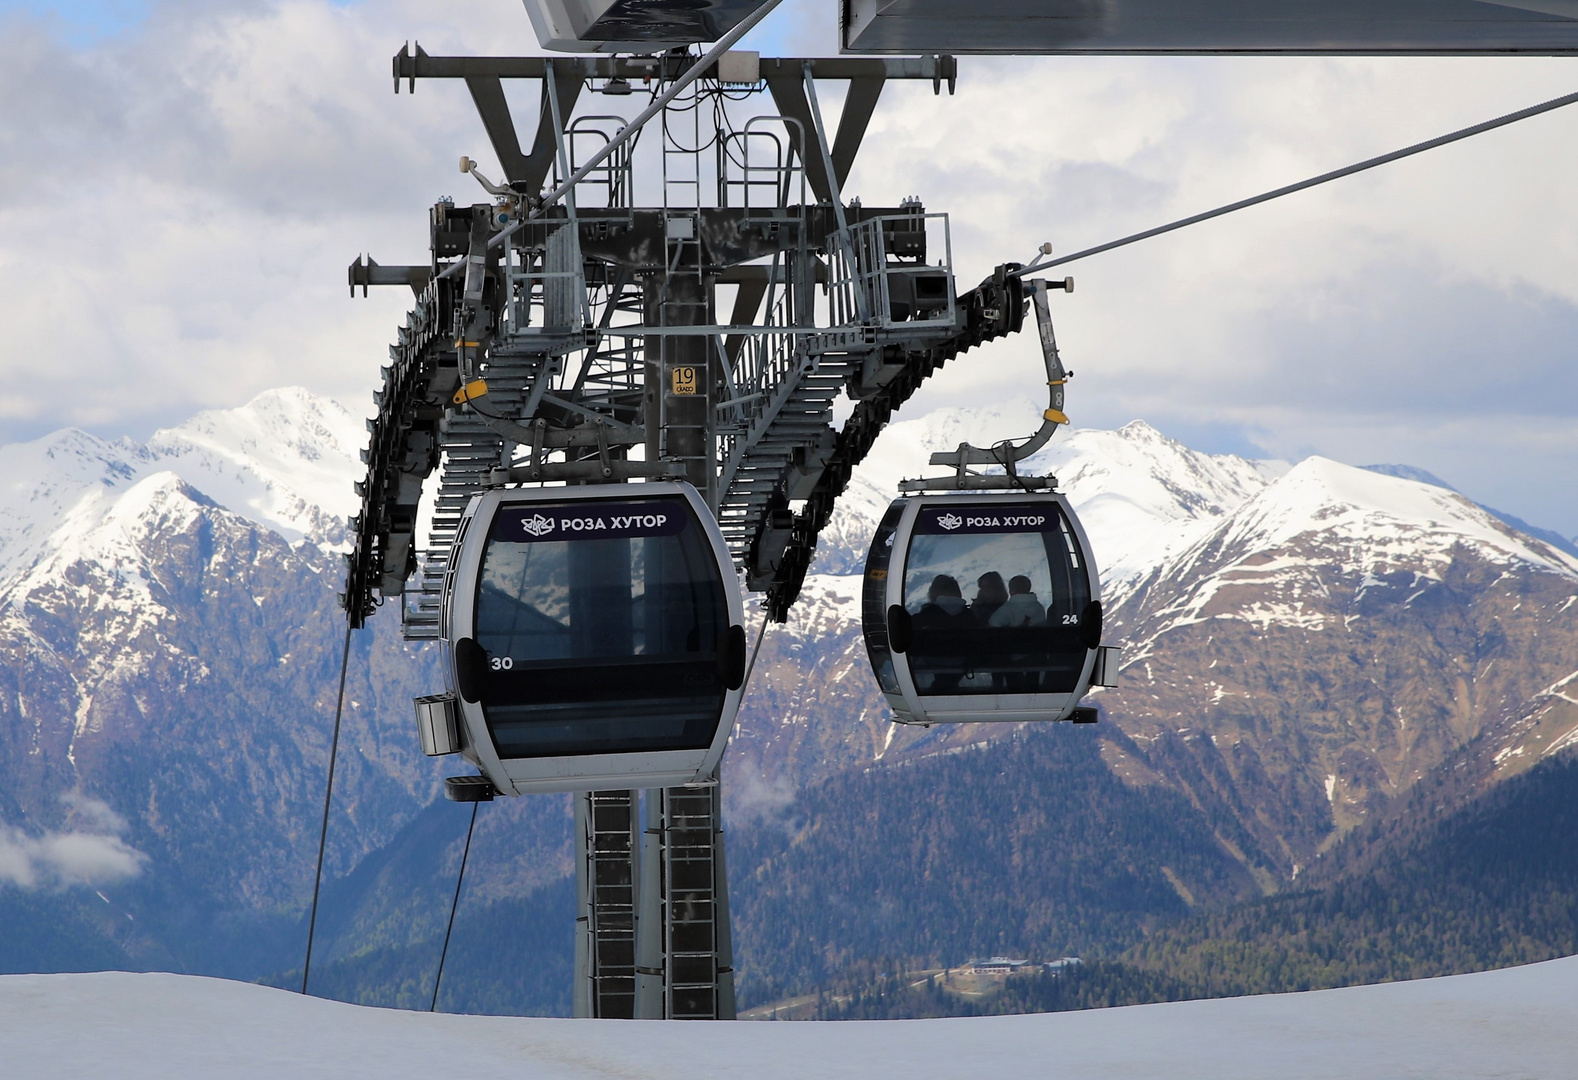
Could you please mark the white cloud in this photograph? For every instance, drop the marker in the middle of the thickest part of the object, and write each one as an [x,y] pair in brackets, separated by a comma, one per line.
[90,854]
[95,814]
[178,205]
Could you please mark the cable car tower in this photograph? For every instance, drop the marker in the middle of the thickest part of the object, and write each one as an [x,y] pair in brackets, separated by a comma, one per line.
[647,315]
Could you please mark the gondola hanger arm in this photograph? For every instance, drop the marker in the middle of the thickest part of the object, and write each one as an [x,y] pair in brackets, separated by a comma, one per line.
[1006,453]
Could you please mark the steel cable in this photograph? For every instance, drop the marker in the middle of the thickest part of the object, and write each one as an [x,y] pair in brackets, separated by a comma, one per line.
[460,878]
[328,794]
[1337,174]
[745,683]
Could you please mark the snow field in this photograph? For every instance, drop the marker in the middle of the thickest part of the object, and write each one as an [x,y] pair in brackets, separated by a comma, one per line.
[1517,1022]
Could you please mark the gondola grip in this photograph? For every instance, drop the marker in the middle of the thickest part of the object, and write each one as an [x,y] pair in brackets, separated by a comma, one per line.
[900,631]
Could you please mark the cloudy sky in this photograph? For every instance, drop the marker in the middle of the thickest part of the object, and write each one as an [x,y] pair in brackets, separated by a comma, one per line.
[182,183]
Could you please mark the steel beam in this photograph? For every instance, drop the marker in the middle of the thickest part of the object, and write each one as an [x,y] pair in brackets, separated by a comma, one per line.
[419,65]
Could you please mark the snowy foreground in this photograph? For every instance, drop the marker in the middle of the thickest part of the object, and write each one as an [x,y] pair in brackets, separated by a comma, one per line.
[1521,1022]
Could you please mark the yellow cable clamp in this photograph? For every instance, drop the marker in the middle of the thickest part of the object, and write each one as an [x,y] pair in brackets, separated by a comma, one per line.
[1054,416]
[471,391]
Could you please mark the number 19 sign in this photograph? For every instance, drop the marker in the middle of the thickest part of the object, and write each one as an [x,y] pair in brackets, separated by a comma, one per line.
[684,380]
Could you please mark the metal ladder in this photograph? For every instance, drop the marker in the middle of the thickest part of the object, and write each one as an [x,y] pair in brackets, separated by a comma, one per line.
[685,953]
[606,828]
[685,287]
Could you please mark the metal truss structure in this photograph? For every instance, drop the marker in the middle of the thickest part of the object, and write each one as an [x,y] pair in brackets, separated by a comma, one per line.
[570,333]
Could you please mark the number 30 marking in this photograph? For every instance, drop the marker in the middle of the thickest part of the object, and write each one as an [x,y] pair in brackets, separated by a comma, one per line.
[502,663]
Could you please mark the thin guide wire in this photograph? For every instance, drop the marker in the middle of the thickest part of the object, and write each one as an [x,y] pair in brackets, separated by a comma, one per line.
[328,794]
[460,878]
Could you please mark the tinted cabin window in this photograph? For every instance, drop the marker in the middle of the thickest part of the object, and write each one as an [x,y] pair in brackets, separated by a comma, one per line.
[874,611]
[995,594]
[601,624]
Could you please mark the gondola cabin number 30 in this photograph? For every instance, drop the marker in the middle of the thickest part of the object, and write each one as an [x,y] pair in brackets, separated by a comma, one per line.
[594,639]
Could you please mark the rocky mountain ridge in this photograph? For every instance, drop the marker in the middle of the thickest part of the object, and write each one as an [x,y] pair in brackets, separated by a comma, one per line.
[1185,542]
[1333,641]
[174,659]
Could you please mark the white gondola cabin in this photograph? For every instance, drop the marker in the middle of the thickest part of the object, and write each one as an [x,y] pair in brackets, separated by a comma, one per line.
[982,607]
[593,639]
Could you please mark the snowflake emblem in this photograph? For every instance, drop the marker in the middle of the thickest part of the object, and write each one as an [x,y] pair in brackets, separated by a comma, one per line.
[538,525]
[950,521]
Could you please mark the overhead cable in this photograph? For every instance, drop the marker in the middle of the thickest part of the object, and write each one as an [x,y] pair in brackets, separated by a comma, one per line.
[761,633]
[1395,155]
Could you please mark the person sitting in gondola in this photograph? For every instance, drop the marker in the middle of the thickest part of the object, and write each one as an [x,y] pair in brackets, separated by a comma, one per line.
[1022,609]
[1021,612]
[944,604]
[990,594]
[937,626]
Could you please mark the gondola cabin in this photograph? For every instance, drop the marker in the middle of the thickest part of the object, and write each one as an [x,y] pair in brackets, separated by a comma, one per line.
[593,638]
[982,607]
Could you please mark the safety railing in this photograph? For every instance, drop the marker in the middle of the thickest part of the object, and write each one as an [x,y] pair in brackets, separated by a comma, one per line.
[549,280]
[878,274]
[767,364]
[610,183]
[756,162]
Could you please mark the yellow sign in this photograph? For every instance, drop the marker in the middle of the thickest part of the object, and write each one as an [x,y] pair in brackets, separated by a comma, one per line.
[684,380]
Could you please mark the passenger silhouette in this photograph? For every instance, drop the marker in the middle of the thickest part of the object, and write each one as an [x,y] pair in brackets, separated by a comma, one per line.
[990,594]
[944,604]
[1022,611]
[937,625]
[1022,608]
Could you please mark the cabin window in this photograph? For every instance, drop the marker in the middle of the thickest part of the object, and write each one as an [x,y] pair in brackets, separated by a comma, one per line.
[995,594]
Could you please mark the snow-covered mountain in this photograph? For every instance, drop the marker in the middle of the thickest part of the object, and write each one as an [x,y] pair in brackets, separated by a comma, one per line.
[285,460]
[1350,523]
[1140,495]
[1333,640]
[814,705]
[169,646]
